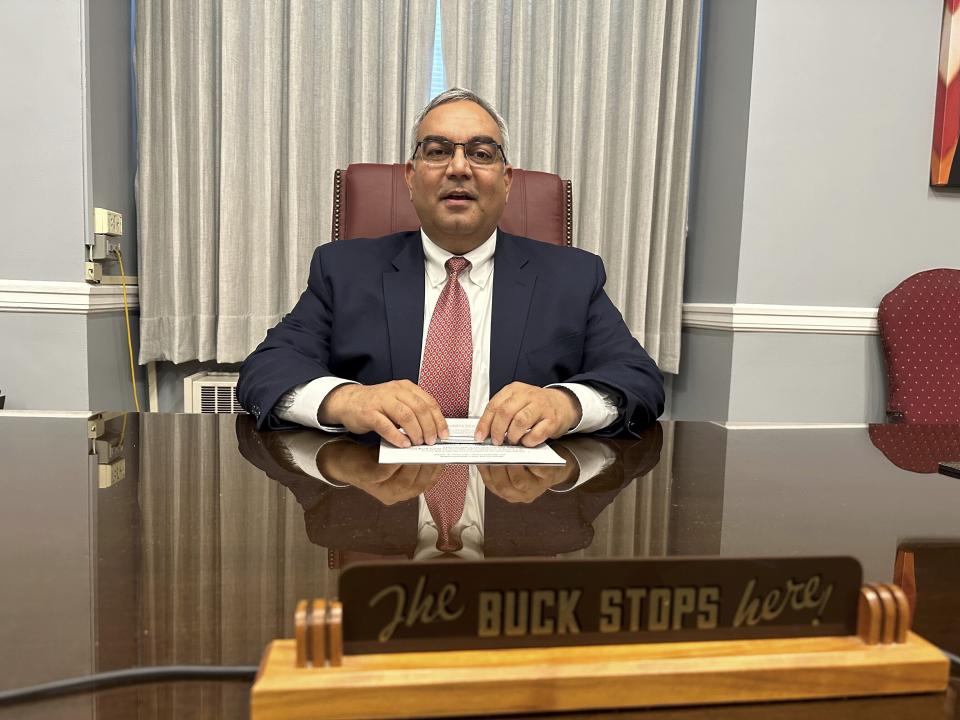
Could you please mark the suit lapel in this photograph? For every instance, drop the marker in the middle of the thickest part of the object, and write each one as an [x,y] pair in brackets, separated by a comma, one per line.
[513,283]
[403,298]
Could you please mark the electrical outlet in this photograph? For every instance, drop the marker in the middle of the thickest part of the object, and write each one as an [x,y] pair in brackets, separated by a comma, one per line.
[107,222]
[109,474]
[92,272]
[103,247]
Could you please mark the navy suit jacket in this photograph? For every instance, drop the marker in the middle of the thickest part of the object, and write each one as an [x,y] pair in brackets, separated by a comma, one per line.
[361,318]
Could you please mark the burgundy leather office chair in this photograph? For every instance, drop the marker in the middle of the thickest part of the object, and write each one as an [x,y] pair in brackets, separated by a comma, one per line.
[370,200]
[919,324]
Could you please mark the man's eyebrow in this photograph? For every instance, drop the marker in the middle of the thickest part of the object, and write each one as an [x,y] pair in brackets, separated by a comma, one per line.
[475,138]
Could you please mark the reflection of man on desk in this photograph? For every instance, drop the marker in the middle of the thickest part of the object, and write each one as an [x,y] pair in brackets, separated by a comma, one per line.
[354,505]
[457,320]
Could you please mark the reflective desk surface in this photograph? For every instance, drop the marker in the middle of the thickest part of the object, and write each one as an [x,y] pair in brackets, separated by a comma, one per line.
[188,539]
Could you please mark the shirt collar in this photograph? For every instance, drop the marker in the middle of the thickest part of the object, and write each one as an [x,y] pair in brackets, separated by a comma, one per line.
[481,261]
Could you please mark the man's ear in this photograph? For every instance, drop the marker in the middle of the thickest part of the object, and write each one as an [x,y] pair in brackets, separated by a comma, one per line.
[408,176]
[508,178]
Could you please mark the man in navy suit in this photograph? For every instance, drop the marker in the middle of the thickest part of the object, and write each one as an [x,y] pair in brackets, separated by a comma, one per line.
[551,354]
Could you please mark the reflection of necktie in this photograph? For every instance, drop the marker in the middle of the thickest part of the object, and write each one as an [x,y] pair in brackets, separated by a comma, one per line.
[445,374]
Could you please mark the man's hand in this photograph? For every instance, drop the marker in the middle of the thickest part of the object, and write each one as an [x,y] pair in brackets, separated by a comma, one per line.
[353,464]
[525,483]
[522,414]
[383,408]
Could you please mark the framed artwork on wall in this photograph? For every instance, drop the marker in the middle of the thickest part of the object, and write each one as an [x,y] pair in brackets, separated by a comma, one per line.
[945,159]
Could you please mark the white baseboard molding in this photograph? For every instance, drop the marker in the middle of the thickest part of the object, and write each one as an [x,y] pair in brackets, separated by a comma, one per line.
[735,425]
[72,298]
[73,414]
[746,317]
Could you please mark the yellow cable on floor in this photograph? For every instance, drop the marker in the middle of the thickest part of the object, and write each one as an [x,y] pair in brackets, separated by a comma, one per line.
[126,315]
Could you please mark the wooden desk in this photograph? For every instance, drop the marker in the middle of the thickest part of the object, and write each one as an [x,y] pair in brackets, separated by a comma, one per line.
[200,552]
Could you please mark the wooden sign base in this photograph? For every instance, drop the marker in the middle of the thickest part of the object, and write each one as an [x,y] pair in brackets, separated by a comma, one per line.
[883,659]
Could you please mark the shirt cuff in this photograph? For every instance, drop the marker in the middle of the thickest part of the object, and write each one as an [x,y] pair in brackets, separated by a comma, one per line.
[592,456]
[304,447]
[598,408]
[301,404]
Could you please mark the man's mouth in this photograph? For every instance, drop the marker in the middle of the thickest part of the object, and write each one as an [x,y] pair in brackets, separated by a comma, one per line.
[458,196]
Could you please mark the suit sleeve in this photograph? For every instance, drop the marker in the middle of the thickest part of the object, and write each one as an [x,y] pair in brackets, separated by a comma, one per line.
[294,352]
[614,360]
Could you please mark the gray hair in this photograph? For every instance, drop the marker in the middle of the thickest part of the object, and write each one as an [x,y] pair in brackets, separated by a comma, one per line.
[456,94]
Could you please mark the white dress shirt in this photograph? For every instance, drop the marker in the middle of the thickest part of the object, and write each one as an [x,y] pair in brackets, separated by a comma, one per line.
[301,404]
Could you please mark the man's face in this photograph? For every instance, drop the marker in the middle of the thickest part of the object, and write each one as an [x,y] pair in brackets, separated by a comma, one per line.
[459,204]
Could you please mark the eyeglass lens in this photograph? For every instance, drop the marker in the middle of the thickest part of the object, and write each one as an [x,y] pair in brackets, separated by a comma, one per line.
[440,152]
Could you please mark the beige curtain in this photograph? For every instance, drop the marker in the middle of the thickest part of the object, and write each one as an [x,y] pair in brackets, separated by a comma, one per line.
[246,108]
[600,92]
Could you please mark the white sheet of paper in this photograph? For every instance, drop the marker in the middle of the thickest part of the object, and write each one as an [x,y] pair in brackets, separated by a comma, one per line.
[460,447]
[461,430]
[469,453]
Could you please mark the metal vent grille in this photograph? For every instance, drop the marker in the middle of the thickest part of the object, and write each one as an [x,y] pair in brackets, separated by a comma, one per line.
[210,392]
[218,399]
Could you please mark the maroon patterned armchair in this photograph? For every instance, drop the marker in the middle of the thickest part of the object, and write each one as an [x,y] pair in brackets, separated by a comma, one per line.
[917,447]
[370,200]
[919,324]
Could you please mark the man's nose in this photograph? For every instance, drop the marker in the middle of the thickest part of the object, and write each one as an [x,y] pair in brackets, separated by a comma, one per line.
[459,165]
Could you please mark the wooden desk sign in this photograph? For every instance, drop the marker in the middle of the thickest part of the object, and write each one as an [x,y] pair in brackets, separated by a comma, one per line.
[442,639]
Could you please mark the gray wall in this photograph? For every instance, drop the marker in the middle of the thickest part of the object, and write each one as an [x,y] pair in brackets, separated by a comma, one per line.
[113,172]
[701,390]
[837,205]
[113,120]
[43,365]
[109,363]
[806,378]
[67,135]
[720,151]
[42,186]
[829,204]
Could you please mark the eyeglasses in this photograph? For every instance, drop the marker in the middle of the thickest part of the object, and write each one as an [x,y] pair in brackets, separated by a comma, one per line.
[440,151]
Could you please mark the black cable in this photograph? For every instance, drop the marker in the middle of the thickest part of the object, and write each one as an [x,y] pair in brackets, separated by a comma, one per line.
[130,676]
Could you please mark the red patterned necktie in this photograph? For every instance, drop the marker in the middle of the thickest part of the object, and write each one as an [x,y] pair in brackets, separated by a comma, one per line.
[445,373]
